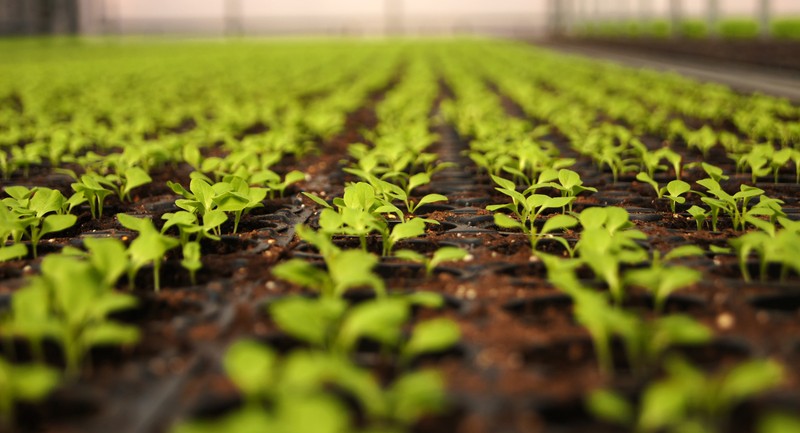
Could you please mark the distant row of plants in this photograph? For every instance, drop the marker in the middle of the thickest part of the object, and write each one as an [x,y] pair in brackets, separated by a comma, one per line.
[731,28]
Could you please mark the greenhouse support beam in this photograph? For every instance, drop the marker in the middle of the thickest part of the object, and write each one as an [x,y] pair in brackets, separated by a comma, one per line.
[764,17]
[675,16]
[712,17]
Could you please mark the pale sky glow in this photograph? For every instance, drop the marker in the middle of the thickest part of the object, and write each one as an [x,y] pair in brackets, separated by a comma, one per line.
[164,15]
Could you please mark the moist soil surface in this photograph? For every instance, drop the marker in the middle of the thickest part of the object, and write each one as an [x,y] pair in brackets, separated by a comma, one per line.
[523,364]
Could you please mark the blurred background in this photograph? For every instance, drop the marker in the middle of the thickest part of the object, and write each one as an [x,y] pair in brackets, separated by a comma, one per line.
[514,18]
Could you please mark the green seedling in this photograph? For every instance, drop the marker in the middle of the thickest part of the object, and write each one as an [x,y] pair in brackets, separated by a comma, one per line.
[687,399]
[779,159]
[734,205]
[606,243]
[569,183]
[409,229]
[241,199]
[714,172]
[328,323]
[758,160]
[291,393]
[107,256]
[29,383]
[127,181]
[704,139]
[11,228]
[70,301]
[771,246]
[234,195]
[149,247]
[94,188]
[662,280]
[674,159]
[359,214]
[274,183]
[602,321]
[699,214]
[200,197]
[191,259]
[34,213]
[527,209]
[415,181]
[277,398]
[25,157]
[674,190]
[390,192]
[356,215]
[644,177]
[650,161]
[188,224]
[444,254]
[345,269]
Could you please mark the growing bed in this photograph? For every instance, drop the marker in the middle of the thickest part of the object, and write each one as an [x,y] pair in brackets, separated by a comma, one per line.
[430,236]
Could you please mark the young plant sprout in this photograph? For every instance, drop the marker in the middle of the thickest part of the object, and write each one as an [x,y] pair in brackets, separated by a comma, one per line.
[30,383]
[70,302]
[687,399]
[675,189]
[527,209]
[149,247]
[94,189]
[34,213]
[345,269]
[443,254]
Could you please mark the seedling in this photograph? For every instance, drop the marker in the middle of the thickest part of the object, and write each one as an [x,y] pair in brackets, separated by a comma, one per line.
[735,205]
[345,269]
[699,214]
[357,213]
[644,177]
[390,192]
[187,224]
[443,254]
[687,399]
[291,393]
[94,188]
[409,229]
[527,209]
[771,246]
[70,301]
[149,247]
[704,139]
[34,213]
[107,256]
[127,181]
[30,383]
[661,281]
[328,323]
[234,196]
[274,183]
[191,259]
[569,183]
[606,243]
[675,189]
[241,199]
